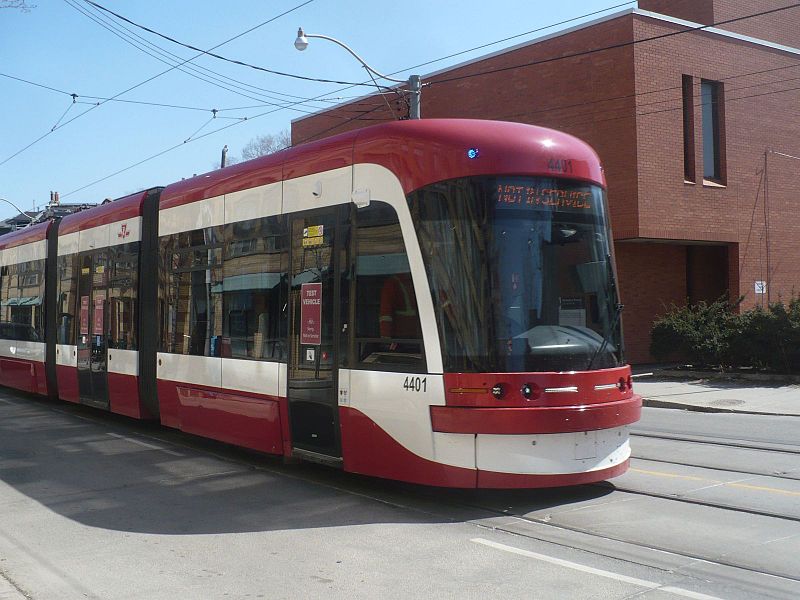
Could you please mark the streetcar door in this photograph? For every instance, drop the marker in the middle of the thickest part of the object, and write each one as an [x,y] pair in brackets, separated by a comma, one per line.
[313,326]
[91,339]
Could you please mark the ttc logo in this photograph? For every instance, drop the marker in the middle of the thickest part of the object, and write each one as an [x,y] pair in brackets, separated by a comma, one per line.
[123,231]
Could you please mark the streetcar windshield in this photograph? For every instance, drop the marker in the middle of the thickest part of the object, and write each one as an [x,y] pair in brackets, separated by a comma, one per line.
[520,272]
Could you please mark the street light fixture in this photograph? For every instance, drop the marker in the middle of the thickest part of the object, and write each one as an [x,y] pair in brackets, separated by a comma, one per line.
[414,83]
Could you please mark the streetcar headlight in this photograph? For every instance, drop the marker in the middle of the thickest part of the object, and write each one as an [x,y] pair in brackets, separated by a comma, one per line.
[526,390]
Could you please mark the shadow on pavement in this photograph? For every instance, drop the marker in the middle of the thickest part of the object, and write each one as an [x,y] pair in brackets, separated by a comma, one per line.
[110,472]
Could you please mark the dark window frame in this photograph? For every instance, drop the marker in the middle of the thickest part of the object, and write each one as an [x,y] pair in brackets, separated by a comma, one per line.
[689,157]
[713,111]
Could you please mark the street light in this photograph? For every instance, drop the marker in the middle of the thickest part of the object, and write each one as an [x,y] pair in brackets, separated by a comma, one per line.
[414,83]
[22,212]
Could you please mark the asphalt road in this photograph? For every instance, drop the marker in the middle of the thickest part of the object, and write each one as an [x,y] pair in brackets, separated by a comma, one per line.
[102,507]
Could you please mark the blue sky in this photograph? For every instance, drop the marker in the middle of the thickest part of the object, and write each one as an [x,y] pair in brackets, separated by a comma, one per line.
[57,46]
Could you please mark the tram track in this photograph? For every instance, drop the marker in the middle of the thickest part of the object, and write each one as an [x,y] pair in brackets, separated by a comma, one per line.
[363,488]
[695,501]
[774,475]
[620,540]
[451,505]
[724,442]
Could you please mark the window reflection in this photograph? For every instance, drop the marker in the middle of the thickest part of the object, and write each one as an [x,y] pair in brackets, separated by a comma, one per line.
[388,330]
[122,296]
[520,273]
[222,290]
[21,301]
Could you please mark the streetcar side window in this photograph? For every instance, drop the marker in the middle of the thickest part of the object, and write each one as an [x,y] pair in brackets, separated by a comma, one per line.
[253,289]
[388,334]
[67,301]
[191,292]
[21,301]
[122,296]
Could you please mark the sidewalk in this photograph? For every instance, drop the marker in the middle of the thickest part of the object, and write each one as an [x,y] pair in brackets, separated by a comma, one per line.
[713,395]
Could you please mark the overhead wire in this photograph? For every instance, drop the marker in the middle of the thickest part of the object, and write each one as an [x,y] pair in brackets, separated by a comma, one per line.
[218,56]
[518,35]
[362,115]
[320,97]
[152,78]
[181,144]
[203,74]
[601,100]
[198,71]
[689,29]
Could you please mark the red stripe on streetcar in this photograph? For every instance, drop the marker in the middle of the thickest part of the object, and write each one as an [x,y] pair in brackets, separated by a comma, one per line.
[535,420]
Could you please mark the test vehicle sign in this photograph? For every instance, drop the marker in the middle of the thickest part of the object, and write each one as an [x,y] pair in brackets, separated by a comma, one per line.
[311,313]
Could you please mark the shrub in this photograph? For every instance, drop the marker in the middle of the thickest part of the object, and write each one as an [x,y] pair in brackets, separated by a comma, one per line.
[713,335]
[701,333]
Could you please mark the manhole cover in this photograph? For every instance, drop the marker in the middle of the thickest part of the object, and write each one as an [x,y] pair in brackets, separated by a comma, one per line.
[726,402]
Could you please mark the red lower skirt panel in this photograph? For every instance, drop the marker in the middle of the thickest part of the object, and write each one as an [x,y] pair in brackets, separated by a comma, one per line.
[250,421]
[369,450]
[67,379]
[536,419]
[24,375]
[123,396]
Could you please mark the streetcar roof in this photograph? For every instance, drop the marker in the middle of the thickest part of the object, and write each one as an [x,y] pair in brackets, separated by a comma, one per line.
[419,152]
[117,210]
[26,235]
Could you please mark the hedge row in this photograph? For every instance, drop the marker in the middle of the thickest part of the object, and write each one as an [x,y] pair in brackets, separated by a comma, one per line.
[714,335]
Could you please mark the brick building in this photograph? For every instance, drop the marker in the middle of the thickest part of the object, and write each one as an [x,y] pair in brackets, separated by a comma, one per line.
[697,131]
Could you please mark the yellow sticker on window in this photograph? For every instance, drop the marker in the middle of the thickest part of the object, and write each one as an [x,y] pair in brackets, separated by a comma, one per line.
[312,241]
[313,231]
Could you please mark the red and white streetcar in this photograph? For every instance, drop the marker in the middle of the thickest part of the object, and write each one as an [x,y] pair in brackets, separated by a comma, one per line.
[430,301]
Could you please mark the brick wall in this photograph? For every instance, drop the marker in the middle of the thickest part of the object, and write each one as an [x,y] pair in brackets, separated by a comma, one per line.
[697,11]
[760,89]
[782,27]
[627,103]
[652,278]
[574,95]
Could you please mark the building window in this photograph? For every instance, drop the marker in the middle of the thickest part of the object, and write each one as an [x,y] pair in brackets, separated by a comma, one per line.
[689,173]
[713,147]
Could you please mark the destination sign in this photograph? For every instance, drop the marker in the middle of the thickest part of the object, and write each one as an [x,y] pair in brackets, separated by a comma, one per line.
[520,195]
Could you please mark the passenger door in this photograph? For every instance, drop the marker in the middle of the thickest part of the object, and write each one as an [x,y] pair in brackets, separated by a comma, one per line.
[314,334]
[92,329]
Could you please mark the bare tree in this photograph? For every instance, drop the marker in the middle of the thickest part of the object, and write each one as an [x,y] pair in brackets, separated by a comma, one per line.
[18,4]
[266,144]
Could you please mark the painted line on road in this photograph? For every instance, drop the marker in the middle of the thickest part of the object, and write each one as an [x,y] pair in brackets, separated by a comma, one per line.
[145,444]
[602,573]
[733,484]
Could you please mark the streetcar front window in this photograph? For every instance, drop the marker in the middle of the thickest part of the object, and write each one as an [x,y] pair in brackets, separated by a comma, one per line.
[520,273]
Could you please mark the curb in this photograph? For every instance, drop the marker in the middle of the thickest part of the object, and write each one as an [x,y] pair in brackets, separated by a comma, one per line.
[646,402]
[727,376]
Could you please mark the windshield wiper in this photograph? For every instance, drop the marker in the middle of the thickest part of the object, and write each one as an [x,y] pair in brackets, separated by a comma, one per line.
[618,308]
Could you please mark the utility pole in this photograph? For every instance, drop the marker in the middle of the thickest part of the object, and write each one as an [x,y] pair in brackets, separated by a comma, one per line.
[766,223]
